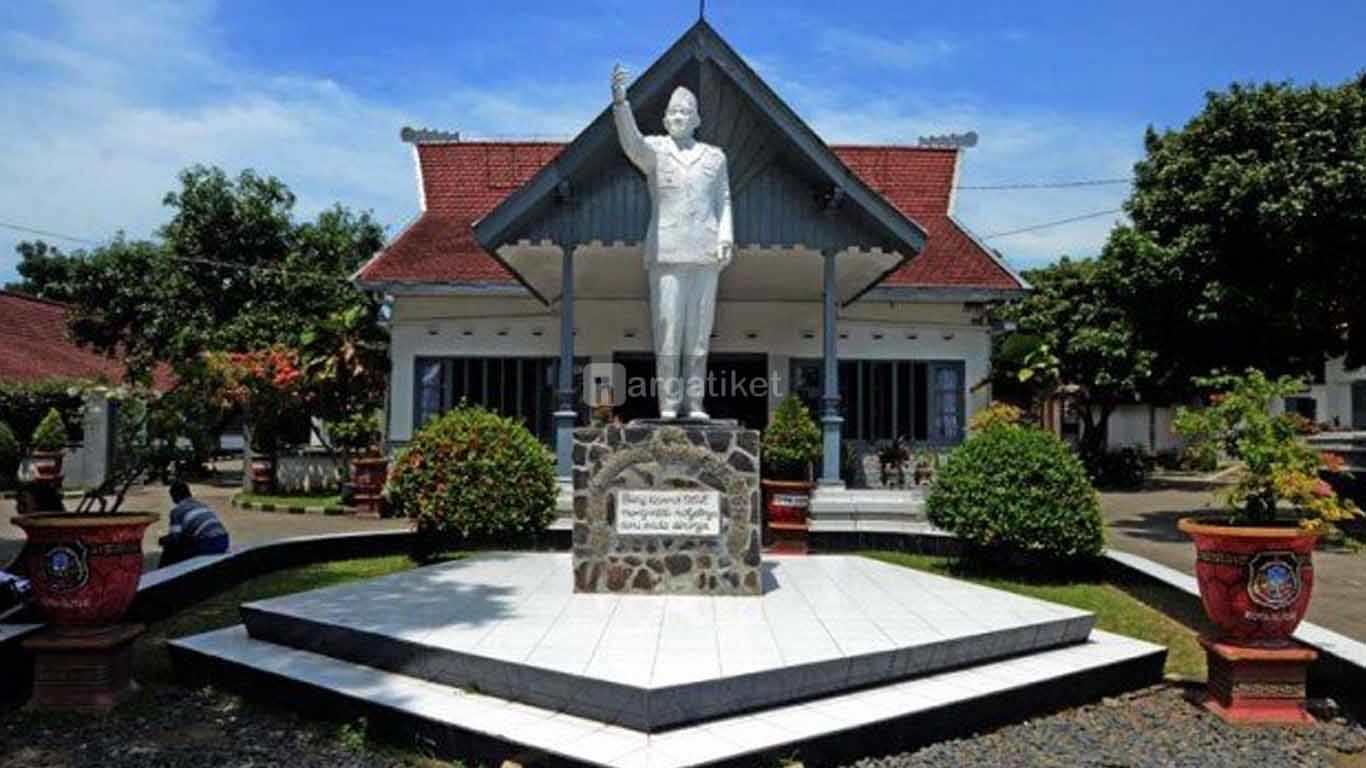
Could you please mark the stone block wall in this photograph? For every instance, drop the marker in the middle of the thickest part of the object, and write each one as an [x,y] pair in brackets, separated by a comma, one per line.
[716,456]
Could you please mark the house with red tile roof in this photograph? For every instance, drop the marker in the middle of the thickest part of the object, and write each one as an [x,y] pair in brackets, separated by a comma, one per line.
[527,255]
[36,347]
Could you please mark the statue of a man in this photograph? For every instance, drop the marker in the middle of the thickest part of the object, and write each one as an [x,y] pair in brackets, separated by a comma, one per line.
[688,243]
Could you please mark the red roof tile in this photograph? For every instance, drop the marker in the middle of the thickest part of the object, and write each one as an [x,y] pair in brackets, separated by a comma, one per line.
[463,181]
[35,346]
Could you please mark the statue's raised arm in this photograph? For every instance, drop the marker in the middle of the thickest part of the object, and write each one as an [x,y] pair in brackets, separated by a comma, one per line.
[628,133]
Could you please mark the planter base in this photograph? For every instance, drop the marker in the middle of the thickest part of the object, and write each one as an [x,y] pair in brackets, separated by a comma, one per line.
[1258,686]
[788,538]
[84,671]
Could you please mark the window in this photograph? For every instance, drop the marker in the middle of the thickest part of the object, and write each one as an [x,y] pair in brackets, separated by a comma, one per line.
[1302,405]
[886,399]
[520,387]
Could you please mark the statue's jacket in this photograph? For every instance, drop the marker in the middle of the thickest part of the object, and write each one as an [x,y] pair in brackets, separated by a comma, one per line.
[690,196]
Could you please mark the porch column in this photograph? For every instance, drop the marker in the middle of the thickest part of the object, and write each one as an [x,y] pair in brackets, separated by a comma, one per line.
[565,413]
[830,400]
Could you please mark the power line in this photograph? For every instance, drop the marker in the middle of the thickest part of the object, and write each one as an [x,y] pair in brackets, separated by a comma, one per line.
[46,233]
[1047,184]
[1047,224]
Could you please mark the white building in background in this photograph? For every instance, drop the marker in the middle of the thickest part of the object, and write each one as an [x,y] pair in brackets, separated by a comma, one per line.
[512,237]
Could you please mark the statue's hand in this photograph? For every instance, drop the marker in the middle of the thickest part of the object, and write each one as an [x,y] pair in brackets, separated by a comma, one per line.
[725,252]
[619,75]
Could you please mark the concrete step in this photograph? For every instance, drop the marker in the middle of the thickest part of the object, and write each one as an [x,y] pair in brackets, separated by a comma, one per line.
[939,705]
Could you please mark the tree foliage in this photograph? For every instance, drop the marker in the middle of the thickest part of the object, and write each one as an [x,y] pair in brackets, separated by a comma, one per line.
[1250,224]
[231,270]
[46,272]
[1075,335]
[791,442]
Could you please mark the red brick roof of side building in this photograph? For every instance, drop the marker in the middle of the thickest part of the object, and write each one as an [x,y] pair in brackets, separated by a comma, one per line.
[36,346]
[462,181]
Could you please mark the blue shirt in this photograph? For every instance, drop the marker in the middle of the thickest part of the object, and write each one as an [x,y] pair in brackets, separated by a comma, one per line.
[192,520]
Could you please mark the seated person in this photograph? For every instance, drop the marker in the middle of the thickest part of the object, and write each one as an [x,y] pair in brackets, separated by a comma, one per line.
[195,529]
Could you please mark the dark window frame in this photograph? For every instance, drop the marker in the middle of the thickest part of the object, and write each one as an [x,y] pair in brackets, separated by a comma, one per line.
[473,372]
[911,401]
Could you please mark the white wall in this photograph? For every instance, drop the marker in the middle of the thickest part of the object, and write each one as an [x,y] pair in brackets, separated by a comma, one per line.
[1142,425]
[515,327]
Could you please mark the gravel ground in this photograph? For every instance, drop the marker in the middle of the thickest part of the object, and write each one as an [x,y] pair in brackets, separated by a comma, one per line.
[1154,727]
[171,726]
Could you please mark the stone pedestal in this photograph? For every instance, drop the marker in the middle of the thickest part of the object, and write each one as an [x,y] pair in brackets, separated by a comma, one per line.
[1258,685]
[667,507]
[88,671]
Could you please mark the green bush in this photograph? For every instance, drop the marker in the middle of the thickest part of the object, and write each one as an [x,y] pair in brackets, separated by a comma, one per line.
[472,474]
[9,455]
[791,442]
[1020,489]
[24,404]
[50,436]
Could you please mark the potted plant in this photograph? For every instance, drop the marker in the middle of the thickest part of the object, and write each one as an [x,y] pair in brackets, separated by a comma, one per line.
[85,565]
[358,438]
[1254,563]
[790,444]
[48,448]
[892,463]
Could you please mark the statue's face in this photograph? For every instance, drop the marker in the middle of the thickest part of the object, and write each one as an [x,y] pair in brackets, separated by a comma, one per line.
[681,118]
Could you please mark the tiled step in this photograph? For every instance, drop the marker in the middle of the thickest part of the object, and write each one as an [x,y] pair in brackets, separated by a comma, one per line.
[511,626]
[968,698]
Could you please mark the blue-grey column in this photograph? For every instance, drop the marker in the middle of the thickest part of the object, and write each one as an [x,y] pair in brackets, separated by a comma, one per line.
[831,423]
[565,413]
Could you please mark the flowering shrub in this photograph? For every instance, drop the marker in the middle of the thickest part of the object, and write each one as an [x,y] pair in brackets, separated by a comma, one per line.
[1279,464]
[994,415]
[474,474]
[265,383]
[1017,488]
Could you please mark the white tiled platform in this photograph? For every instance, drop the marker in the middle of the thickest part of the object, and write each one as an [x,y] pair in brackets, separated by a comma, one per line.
[597,743]
[511,625]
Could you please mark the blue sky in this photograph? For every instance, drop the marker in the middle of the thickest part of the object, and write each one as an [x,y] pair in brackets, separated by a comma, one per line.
[106,100]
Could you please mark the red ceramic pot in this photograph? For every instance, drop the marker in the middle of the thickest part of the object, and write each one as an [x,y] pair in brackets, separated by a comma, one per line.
[367,477]
[787,501]
[47,466]
[84,567]
[1255,583]
[263,474]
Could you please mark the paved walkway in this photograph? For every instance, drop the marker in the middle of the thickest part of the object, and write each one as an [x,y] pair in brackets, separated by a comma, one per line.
[246,527]
[1144,523]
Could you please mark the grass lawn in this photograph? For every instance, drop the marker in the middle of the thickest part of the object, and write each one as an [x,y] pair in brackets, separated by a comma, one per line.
[1132,608]
[302,500]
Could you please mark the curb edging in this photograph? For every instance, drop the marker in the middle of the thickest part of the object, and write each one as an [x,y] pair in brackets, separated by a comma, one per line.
[292,509]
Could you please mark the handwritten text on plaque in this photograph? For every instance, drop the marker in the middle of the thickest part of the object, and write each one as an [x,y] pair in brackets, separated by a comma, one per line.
[669,513]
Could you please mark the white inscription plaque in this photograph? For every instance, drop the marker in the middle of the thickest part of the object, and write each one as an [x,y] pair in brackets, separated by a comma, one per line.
[669,513]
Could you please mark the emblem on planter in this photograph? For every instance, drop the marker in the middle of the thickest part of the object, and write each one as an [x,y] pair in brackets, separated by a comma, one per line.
[1273,579]
[65,567]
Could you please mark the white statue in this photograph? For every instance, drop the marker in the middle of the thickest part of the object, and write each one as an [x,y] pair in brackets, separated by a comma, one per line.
[689,242]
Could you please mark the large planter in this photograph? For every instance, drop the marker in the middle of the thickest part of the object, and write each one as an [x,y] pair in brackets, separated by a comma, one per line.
[1255,583]
[787,505]
[47,466]
[367,478]
[84,567]
[263,474]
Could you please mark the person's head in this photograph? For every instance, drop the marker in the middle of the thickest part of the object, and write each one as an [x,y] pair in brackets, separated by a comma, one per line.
[179,491]
[681,117]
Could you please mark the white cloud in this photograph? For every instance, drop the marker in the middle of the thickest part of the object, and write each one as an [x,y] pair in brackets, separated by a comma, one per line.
[902,53]
[101,113]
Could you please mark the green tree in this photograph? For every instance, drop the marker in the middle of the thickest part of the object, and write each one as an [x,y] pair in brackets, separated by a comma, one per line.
[1079,338]
[231,270]
[1249,226]
[47,272]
